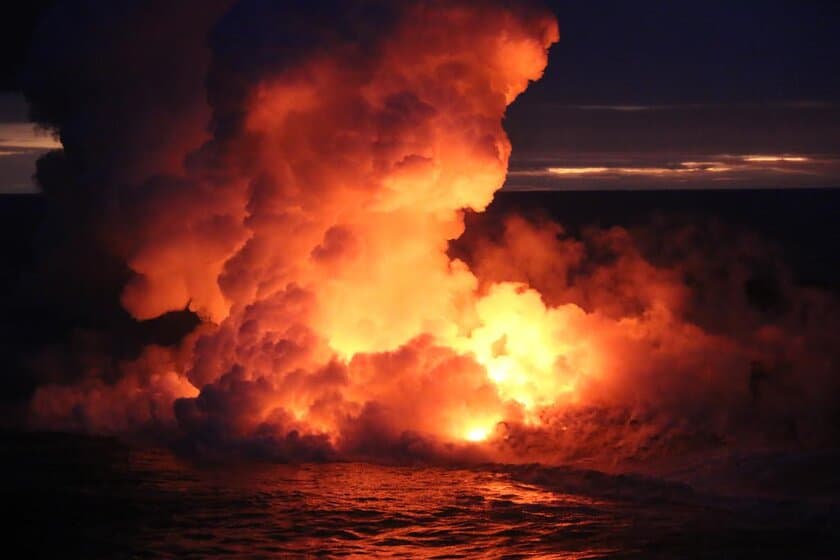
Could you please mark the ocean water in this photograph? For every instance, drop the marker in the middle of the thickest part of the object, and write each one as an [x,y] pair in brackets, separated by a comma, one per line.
[75,497]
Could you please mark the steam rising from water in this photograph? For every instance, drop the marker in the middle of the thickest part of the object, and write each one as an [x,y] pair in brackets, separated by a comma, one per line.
[311,229]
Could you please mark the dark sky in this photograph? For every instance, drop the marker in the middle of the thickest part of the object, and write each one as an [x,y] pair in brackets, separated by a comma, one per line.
[710,51]
[657,93]
[646,93]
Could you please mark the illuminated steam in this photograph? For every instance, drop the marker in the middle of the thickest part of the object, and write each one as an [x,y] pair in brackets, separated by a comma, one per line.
[311,232]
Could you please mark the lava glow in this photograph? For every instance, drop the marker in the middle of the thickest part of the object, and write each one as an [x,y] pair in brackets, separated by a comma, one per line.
[477,434]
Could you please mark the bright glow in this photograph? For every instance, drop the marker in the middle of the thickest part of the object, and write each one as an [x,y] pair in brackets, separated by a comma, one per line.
[477,434]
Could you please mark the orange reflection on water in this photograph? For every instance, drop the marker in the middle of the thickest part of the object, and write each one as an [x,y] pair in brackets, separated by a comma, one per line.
[363,510]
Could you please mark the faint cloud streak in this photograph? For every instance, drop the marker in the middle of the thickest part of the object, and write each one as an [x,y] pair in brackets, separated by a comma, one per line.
[617,171]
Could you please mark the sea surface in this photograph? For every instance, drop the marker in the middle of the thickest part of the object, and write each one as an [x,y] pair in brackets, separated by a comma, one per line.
[76,497]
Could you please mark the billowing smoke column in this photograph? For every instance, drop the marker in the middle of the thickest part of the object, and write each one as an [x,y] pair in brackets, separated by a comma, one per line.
[309,227]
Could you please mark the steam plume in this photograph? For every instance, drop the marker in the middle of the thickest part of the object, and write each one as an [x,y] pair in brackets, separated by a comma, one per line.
[310,229]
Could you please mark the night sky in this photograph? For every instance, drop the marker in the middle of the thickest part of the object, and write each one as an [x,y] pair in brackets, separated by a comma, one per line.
[645,94]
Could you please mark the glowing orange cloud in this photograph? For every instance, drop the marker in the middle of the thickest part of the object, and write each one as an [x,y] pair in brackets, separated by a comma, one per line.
[312,236]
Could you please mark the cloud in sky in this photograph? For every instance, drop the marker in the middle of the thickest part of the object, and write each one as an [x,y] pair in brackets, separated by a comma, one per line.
[22,136]
[780,144]
[21,144]
[639,170]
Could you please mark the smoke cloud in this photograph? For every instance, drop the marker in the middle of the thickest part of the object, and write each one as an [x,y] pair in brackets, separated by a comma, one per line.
[298,175]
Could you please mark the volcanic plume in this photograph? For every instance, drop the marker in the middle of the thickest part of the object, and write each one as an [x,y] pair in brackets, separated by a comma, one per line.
[312,228]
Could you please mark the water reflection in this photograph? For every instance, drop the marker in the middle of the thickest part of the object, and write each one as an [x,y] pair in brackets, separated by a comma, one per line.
[351,509]
[79,498]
